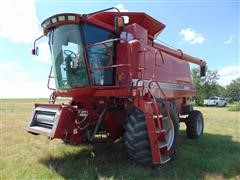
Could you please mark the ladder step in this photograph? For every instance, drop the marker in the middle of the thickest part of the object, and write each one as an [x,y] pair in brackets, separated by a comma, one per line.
[157,116]
[158,130]
[165,159]
[162,144]
[149,102]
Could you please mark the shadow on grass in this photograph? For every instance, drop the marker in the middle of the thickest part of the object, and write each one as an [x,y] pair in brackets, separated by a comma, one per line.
[211,156]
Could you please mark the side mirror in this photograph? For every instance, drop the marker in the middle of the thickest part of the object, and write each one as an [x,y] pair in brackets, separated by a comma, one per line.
[35,51]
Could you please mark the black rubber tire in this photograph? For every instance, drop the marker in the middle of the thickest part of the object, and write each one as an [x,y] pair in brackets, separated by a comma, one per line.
[136,139]
[193,131]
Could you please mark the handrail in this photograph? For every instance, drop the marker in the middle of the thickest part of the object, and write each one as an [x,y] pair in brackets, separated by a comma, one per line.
[105,67]
[156,64]
[49,78]
[163,61]
[165,98]
[155,107]
[154,99]
[104,42]
[144,51]
[87,64]
[108,67]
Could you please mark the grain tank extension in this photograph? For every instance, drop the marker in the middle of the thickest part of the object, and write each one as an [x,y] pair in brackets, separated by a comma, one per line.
[121,82]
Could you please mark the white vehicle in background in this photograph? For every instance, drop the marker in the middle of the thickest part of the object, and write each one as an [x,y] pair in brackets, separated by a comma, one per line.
[215,101]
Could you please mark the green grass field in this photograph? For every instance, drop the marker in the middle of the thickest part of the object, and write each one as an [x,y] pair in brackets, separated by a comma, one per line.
[23,156]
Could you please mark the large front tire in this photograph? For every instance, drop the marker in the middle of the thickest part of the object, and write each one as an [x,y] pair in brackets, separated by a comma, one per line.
[136,138]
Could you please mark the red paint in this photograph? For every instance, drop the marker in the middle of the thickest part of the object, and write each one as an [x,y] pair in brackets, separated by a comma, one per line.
[113,121]
[137,57]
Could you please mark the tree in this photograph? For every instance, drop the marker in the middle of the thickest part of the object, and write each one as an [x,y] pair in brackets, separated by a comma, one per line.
[233,90]
[209,88]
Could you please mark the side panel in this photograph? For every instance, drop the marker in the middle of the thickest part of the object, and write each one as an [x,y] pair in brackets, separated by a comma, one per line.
[163,67]
[123,58]
[174,70]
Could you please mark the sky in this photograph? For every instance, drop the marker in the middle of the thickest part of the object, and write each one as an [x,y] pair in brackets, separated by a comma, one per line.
[205,29]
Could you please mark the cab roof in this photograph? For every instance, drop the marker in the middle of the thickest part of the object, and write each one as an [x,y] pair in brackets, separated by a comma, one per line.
[153,26]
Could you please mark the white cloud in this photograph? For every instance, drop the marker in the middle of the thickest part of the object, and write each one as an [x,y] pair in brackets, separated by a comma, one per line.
[227,74]
[230,40]
[19,22]
[18,83]
[121,8]
[22,75]
[191,36]
[13,70]
[9,66]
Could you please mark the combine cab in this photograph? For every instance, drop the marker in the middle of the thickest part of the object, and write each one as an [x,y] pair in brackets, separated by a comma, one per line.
[122,84]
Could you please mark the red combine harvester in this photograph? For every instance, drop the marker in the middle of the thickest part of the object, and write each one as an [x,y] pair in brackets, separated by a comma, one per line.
[122,83]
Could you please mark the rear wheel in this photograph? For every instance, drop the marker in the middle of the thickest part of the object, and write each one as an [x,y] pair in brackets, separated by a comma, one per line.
[136,138]
[195,125]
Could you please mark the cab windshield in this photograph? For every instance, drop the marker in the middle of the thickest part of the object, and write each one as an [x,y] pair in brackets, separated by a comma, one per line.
[67,44]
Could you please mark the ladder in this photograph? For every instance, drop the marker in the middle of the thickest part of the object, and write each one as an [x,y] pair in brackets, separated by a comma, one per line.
[147,103]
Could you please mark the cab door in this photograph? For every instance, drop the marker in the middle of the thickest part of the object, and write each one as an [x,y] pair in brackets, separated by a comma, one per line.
[100,55]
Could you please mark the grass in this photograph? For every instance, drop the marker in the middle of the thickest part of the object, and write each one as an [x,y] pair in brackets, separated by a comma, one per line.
[23,156]
[234,107]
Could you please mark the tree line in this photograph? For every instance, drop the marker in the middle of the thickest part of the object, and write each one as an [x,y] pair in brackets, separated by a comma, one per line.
[211,88]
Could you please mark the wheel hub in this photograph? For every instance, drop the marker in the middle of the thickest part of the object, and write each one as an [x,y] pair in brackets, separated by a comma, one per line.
[199,126]
[169,128]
